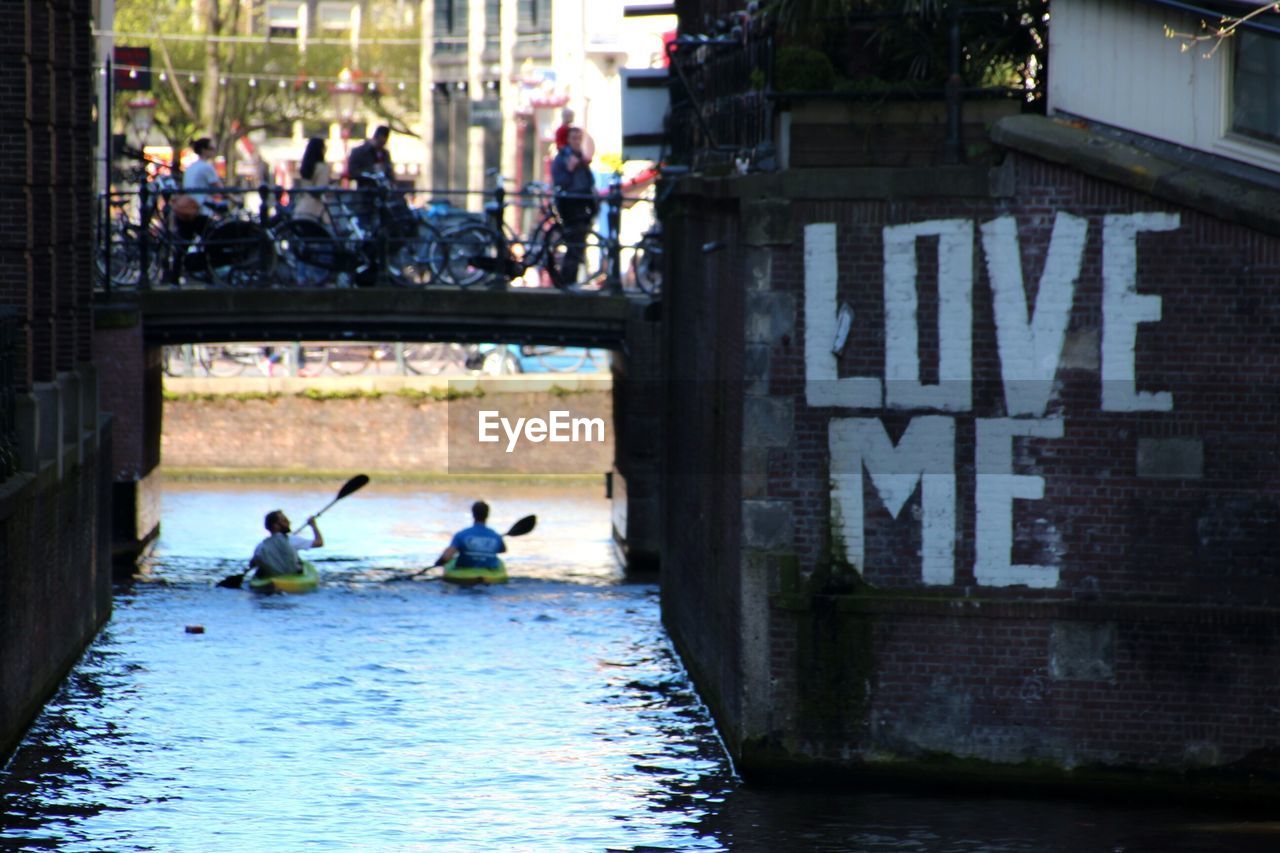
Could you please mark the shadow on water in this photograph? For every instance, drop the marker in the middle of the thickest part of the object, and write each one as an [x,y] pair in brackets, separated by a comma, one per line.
[390,713]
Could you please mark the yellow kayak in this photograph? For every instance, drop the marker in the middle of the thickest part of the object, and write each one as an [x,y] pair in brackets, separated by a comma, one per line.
[471,577]
[305,581]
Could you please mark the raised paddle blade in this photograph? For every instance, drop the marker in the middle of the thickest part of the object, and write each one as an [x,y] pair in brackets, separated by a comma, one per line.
[355,484]
[523,526]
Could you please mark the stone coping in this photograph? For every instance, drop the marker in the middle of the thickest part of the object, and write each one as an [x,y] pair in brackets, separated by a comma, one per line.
[1074,144]
[527,383]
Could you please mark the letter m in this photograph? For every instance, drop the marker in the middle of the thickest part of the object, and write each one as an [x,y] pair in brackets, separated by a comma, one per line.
[925,453]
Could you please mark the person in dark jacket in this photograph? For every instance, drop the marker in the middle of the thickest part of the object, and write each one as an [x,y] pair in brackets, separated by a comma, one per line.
[368,164]
[576,203]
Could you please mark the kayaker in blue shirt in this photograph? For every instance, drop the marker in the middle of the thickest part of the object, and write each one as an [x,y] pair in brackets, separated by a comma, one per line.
[478,546]
[278,553]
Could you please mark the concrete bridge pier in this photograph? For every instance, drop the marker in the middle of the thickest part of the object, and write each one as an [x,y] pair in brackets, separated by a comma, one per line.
[134,395]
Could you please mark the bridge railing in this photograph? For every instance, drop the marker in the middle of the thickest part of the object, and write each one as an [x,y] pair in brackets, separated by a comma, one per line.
[8,392]
[158,236]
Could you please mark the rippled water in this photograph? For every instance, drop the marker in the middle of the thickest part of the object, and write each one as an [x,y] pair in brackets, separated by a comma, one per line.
[383,713]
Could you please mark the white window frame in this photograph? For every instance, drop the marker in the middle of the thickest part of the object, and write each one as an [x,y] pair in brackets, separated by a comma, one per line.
[1238,146]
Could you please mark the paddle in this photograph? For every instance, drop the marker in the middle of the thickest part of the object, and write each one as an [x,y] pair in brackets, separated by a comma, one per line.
[520,528]
[355,484]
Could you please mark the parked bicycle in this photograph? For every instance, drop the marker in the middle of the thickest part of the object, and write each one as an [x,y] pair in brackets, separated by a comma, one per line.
[390,242]
[232,359]
[494,253]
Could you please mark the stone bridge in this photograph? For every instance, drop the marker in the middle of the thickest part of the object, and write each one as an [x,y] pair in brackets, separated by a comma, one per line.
[131,330]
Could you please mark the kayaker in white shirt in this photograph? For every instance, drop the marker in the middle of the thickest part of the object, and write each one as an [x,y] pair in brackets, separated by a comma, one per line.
[278,553]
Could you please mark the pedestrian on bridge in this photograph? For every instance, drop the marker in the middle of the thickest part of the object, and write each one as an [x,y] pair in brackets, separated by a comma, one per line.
[201,178]
[368,167]
[313,174]
[576,203]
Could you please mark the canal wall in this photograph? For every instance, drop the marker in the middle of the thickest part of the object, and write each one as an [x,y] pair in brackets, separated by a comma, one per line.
[55,545]
[976,477]
[55,439]
[389,424]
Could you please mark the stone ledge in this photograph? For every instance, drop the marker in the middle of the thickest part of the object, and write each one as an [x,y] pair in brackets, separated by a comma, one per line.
[873,182]
[1068,143]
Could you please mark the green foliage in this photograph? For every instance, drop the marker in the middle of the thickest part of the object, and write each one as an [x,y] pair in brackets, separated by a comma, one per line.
[892,45]
[441,395]
[226,89]
[803,69]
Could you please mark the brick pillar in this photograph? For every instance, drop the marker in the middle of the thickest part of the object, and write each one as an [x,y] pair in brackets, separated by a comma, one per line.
[39,191]
[81,133]
[637,419]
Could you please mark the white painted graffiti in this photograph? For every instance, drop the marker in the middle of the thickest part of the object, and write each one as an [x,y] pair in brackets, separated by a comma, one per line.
[1029,344]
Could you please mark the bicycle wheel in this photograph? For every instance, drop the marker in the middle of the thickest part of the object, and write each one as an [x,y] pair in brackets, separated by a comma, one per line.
[558,359]
[647,265]
[239,254]
[222,361]
[309,251]
[312,360]
[416,254]
[580,262]
[432,359]
[471,254]
[120,257]
[348,360]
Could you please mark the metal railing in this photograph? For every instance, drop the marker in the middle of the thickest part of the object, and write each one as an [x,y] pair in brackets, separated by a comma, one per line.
[727,88]
[720,104]
[158,236]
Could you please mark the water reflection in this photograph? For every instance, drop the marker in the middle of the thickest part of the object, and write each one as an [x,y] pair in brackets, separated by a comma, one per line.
[391,714]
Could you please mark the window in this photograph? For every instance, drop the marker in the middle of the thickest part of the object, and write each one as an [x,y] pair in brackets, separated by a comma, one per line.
[1255,97]
[534,15]
[284,19]
[336,16]
[451,17]
[493,25]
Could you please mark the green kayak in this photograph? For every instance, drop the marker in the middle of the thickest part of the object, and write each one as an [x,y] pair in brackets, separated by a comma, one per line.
[471,577]
[305,581]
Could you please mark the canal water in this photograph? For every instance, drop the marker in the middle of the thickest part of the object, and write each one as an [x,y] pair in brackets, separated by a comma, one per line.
[392,712]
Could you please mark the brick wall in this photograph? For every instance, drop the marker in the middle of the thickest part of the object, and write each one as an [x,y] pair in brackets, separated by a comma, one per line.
[294,433]
[55,572]
[941,549]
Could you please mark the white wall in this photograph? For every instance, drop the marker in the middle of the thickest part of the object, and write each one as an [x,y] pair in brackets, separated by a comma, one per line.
[1110,61]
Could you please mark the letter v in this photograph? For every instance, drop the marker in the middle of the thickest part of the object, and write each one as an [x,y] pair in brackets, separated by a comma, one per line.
[1030,350]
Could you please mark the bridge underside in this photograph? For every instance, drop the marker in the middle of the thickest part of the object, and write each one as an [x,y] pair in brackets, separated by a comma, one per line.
[385,314]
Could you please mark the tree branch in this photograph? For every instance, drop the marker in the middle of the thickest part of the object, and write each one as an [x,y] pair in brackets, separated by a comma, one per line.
[173,83]
[1227,26]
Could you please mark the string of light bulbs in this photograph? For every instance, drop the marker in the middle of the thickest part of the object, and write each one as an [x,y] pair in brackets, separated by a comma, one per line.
[279,41]
[255,79]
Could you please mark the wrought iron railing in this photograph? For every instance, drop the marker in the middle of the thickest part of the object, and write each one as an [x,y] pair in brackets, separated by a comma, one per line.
[161,237]
[727,88]
[720,105]
[8,392]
